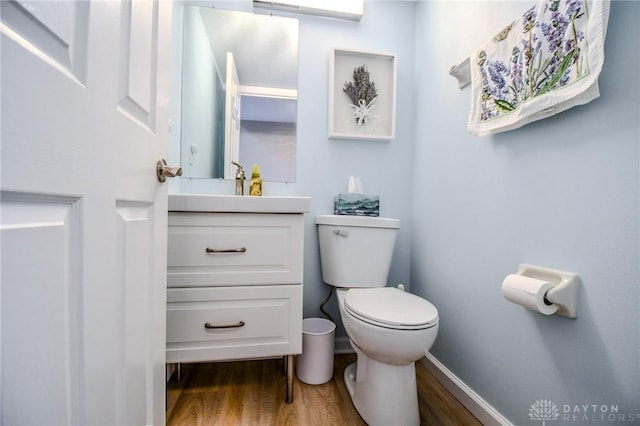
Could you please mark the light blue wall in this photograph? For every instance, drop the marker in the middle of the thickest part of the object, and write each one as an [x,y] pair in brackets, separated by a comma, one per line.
[561,193]
[201,87]
[324,165]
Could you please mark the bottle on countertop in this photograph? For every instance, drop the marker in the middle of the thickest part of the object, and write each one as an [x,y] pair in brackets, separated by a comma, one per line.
[255,187]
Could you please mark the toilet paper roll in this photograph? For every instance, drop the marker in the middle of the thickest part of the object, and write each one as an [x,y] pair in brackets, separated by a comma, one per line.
[528,292]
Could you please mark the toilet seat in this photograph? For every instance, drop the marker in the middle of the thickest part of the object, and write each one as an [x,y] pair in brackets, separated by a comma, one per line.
[390,308]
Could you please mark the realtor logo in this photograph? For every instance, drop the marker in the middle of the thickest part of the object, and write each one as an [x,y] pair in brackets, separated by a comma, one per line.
[544,410]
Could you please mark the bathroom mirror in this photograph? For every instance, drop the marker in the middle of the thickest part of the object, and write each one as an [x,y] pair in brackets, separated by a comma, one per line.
[239,94]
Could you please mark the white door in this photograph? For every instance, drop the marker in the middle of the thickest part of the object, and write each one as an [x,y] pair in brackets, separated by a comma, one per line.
[83,218]
[231,118]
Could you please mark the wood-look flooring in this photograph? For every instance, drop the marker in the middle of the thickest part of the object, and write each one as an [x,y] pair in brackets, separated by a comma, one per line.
[252,393]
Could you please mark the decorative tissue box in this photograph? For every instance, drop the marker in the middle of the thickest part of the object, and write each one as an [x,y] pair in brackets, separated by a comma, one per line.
[357,204]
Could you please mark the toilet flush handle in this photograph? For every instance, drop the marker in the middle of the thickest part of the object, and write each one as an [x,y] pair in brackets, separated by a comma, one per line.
[341,233]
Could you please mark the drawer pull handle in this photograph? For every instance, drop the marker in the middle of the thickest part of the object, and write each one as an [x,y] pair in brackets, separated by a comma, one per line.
[236,250]
[210,326]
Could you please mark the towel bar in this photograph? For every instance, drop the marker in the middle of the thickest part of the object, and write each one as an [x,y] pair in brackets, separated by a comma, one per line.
[462,73]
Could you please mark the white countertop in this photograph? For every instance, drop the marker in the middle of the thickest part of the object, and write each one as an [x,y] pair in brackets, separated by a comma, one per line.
[238,204]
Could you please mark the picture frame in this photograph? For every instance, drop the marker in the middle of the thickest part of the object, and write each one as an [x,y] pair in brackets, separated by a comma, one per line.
[374,120]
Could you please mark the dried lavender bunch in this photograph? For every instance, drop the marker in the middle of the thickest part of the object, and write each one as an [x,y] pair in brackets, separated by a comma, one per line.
[361,87]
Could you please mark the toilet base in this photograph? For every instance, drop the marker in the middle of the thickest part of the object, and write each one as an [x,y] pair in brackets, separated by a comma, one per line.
[383,394]
[350,378]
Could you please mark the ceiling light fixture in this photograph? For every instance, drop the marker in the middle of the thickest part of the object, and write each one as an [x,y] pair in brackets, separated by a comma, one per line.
[343,9]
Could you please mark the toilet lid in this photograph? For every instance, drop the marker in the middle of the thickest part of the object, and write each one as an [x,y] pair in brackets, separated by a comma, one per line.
[390,307]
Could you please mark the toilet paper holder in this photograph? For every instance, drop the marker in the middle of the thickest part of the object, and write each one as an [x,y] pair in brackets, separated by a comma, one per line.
[564,293]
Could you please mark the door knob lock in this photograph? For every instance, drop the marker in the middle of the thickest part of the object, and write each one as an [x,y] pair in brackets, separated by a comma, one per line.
[163,171]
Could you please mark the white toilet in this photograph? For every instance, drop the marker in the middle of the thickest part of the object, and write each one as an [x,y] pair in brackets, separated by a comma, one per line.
[389,329]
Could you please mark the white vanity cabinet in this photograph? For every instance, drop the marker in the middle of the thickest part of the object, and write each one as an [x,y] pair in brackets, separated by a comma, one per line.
[234,281]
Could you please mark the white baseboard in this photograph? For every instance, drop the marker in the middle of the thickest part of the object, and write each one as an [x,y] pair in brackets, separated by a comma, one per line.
[343,346]
[170,368]
[480,408]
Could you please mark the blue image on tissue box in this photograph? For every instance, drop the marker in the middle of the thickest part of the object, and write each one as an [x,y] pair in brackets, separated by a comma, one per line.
[357,204]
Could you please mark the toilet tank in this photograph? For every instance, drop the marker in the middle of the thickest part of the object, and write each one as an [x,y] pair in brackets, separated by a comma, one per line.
[356,251]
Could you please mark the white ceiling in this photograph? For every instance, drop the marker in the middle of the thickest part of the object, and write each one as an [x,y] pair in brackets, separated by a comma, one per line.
[265,48]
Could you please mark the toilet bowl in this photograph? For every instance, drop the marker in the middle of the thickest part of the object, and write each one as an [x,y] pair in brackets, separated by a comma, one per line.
[389,329]
[390,325]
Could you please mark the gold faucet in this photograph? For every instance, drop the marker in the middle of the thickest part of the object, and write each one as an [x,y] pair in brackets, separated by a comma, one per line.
[239,179]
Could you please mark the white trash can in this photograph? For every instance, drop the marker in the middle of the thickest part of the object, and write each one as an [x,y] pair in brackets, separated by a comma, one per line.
[315,365]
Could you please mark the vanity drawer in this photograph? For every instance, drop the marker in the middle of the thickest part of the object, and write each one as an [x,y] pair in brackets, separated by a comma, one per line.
[243,249]
[271,318]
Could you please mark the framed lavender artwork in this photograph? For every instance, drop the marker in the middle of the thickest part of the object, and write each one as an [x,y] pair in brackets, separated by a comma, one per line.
[362,94]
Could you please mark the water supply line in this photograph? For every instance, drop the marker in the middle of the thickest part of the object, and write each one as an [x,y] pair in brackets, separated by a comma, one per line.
[325,302]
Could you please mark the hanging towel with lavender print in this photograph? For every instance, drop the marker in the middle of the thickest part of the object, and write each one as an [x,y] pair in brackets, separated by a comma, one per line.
[545,62]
